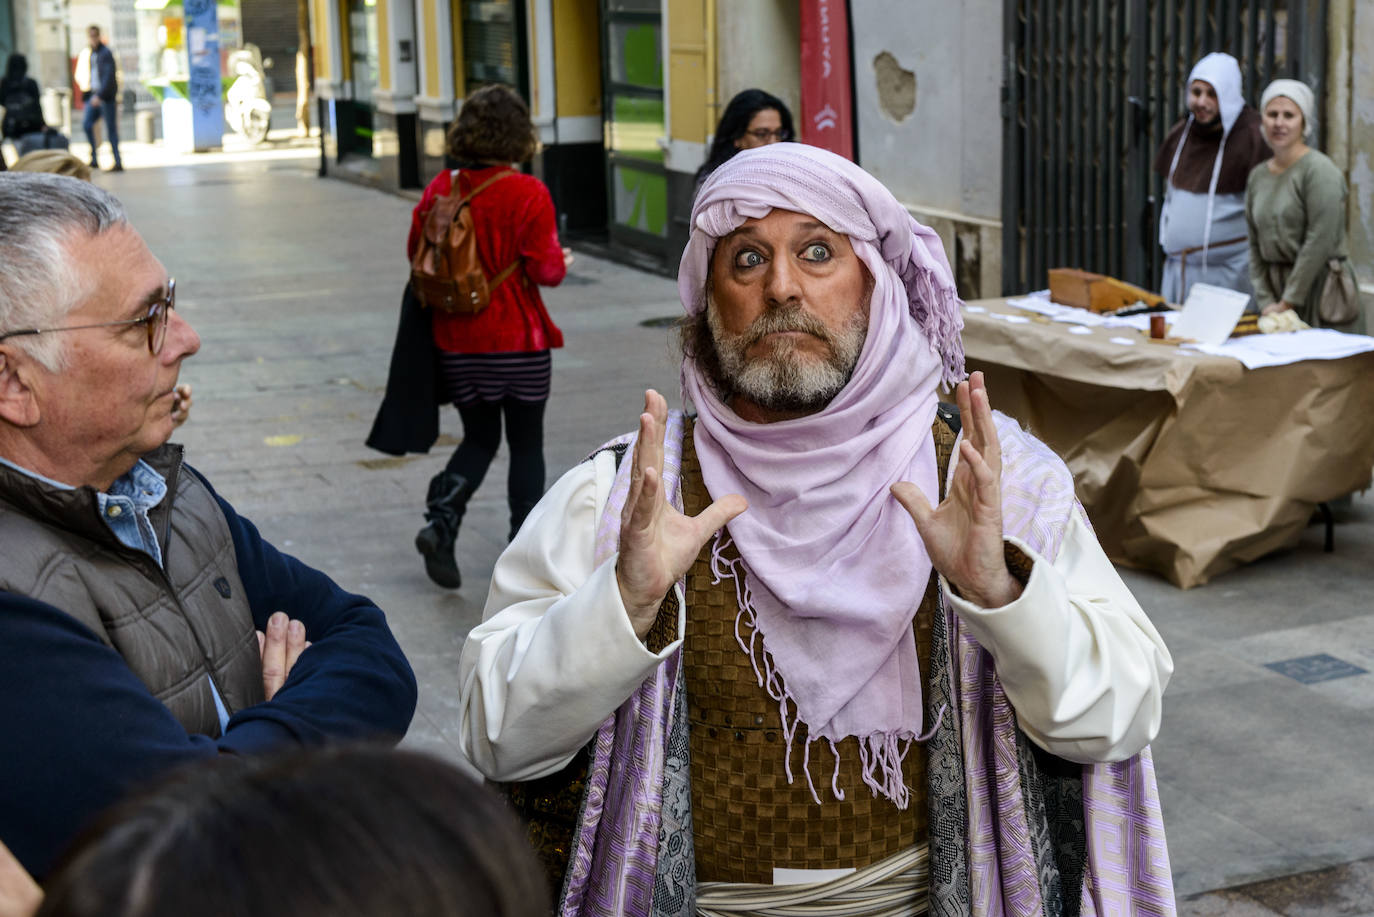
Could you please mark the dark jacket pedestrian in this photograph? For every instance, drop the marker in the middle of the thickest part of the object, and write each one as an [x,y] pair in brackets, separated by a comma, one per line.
[19,95]
[102,99]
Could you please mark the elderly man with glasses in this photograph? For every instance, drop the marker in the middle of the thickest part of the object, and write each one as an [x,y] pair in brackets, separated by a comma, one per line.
[130,592]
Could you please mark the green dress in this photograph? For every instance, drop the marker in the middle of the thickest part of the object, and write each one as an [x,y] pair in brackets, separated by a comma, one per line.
[1296,223]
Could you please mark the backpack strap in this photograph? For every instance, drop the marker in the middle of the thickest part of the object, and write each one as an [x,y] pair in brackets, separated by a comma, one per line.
[510,268]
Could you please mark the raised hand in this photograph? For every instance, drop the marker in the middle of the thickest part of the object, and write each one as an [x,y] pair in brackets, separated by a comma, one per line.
[657,543]
[963,535]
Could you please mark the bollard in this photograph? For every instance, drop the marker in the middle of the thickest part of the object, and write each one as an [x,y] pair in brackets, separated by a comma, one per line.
[143,126]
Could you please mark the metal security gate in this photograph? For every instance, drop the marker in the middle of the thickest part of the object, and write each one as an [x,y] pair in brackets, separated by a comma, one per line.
[1091,88]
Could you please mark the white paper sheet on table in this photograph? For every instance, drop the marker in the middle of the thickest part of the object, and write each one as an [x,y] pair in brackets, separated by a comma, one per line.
[1041,304]
[1259,350]
[1209,315]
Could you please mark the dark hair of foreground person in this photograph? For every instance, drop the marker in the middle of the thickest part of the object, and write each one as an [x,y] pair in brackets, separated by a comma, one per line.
[360,832]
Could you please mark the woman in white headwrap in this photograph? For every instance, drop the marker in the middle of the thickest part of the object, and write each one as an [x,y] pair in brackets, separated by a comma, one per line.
[1295,209]
[1205,161]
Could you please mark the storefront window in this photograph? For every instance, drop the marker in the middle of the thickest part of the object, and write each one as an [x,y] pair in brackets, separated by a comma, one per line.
[362,43]
[635,123]
[490,52]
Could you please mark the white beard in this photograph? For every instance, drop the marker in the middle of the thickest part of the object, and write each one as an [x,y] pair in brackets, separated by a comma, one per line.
[788,378]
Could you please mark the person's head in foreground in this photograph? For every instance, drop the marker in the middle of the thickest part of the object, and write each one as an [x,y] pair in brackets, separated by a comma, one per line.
[753,118]
[90,342]
[53,162]
[348,833]
[1289,110]
[493,127]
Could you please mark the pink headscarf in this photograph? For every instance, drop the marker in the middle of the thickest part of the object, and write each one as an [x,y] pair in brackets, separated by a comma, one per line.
[836,569]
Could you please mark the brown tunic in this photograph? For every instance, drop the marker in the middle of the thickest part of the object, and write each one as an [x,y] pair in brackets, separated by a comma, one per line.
[747,818]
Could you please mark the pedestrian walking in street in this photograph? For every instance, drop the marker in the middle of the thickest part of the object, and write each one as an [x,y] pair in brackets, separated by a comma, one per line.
[358,831]
[102,98]
[494,364]
[1295,209]
[753,118]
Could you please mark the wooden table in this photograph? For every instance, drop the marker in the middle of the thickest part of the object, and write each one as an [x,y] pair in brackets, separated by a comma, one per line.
[1188,464]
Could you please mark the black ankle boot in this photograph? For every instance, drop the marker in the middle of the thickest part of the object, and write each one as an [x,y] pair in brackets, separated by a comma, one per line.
[518,512]
[445,503]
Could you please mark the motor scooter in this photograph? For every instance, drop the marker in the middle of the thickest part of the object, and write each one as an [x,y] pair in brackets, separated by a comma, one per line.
[246,107]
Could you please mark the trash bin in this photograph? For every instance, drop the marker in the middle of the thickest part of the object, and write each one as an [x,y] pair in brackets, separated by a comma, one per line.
[143,126]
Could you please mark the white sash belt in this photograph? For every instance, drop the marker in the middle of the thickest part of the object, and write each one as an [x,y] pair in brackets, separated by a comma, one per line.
[898,886]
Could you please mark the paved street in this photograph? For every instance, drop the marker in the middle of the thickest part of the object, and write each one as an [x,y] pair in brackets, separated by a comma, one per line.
[293,283]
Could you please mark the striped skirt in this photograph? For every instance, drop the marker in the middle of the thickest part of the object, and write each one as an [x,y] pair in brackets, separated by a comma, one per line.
[476,377]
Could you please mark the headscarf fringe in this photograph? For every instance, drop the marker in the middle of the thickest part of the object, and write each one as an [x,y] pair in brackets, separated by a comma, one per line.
[881,755]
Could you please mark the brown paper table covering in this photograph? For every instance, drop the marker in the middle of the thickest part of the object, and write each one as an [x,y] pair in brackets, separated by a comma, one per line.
[1186,465]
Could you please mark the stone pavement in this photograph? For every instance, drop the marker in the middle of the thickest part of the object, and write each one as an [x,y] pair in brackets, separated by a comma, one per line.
[293,284]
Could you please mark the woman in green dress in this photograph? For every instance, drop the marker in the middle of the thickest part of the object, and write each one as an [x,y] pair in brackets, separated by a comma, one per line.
[1295,211]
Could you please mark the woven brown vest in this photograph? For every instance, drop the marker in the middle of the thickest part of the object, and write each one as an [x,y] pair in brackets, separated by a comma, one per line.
[747,818]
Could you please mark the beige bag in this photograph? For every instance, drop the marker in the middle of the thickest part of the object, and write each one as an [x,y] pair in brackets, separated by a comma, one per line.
[1340,302]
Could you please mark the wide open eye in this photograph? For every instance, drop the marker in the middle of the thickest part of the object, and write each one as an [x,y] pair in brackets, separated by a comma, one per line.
[816,251]
[748,258]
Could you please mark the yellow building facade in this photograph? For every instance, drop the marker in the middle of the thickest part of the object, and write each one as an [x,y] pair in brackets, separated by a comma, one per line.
[623,93]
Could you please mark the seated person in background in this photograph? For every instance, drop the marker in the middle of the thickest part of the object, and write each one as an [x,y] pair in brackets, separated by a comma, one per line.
[19,97]
[907,654]
[129,590]
[1205,161]
[351,831]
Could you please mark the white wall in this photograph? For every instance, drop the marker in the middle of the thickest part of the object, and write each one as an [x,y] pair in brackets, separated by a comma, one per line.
[757,47]
[946,155]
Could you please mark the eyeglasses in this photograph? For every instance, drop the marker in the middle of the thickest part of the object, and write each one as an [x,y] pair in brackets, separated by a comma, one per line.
[156,321]
[764,135]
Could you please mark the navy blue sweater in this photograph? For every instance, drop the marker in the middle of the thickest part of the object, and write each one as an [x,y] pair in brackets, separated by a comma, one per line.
[81,729]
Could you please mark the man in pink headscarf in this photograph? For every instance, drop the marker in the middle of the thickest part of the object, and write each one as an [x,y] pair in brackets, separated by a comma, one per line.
[815,646]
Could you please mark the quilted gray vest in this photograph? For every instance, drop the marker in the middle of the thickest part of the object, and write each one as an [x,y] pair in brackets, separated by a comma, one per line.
[173,625]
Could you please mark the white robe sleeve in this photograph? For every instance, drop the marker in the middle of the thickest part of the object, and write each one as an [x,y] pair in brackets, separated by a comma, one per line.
[555,653]
[1081,664]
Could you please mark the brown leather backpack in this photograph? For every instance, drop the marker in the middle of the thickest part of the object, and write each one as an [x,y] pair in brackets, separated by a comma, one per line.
[446,272]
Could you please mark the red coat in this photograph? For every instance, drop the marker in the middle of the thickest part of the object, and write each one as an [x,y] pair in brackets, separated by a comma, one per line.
[512,218]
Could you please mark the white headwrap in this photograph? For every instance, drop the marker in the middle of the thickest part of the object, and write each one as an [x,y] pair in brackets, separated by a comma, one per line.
[1222,71]
[1301,95]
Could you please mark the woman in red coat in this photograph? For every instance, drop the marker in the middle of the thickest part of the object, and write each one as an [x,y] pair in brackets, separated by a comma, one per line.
[495,363]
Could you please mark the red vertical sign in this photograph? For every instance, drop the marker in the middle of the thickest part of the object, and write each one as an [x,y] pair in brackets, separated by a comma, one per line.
[827,115]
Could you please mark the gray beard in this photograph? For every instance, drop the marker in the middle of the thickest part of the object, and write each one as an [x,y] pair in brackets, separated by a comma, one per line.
[787,379]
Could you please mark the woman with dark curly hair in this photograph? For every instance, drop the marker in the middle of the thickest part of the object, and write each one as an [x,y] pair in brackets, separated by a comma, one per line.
[753,118]
[494,363]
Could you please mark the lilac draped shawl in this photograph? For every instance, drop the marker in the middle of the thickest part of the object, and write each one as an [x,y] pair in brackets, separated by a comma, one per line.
[612,865]
[836,568]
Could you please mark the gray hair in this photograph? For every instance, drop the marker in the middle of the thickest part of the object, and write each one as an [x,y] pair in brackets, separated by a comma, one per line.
[39,284]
